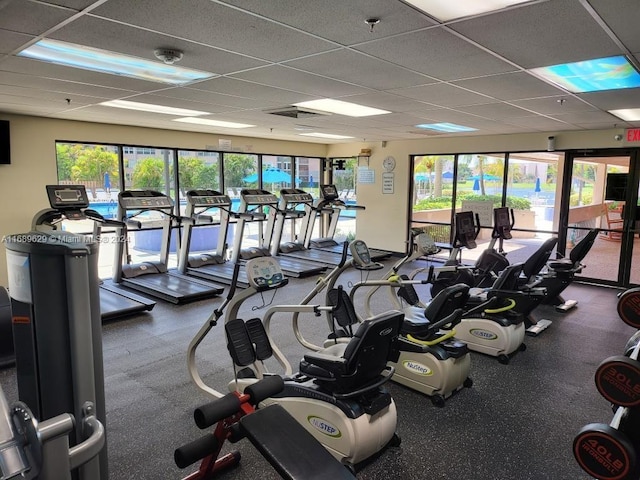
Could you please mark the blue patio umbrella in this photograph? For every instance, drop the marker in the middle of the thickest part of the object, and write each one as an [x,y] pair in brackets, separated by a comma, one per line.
[107,181]
[537,189]
[270,175]
[486,176]
[448,175]
[476,185]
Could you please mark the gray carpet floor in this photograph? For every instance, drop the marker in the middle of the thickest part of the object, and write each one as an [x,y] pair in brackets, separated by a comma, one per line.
[517,421]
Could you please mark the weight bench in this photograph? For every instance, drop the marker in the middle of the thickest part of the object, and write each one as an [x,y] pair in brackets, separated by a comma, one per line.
[292,451]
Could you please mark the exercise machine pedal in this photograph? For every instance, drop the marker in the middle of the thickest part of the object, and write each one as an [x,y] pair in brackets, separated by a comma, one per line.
[538,327]
[566,306]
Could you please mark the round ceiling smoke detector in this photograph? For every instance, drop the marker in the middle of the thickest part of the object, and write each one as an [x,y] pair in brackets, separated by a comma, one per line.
[168,55]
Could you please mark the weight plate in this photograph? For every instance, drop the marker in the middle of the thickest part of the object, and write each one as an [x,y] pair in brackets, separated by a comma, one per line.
[604,453]
[629,307]
[618,381]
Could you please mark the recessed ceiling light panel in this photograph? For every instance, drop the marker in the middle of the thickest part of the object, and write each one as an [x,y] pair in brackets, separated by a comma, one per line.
[104,61]
[212,123]
[611,73]
[150,107]
[445,10]
[324,135]
[628,114]
[445,127]
[341,108]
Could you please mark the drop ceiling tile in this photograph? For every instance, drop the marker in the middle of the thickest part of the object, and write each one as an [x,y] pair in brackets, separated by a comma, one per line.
[613,99]
[451,116]
[177,103]
[244,89]
[66,87]
[444,95]
[540,123]
[74,4]
[496,111]
[205,97]
[541,34]
[558,104]
[116,37]
[55,97]
[49,70]
[588,117]
[197,20]
[30,17]
[290,79]
[389,101]
[510,86]
[341,21]
[10,41]
[437,53]
[354,67]
[622,17]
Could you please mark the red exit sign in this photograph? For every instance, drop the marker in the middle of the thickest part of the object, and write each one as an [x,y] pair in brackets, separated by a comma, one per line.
[632,134]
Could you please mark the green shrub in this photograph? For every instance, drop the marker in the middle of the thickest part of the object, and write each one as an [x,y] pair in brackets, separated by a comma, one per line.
[517,203]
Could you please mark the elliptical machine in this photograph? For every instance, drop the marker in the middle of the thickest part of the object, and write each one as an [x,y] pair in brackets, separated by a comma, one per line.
[490,262]
[338,394]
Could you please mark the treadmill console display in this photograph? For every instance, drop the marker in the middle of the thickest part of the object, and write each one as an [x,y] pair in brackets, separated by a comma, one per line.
[146,203]
[264,272]
[65,197]
[204,198]
[360,252]
[259,197]
[292,195]
[329,192]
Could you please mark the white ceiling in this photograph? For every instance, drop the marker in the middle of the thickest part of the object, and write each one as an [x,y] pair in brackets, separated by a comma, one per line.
[269,54]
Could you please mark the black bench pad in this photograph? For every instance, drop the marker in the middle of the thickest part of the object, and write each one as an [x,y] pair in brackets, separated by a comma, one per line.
[292,451]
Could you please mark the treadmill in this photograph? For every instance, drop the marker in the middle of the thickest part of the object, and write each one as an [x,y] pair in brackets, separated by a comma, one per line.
[70,202]
[208,208]
[154,277]
[253,202]
[331,204]
[288,209]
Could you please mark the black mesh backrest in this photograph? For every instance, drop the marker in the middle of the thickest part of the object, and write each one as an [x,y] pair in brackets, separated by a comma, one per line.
[344,314]
[408,293]
[446,302]
[259,338]
[508,278]
[582,247]
[371,347]
[239,343]
[536,262]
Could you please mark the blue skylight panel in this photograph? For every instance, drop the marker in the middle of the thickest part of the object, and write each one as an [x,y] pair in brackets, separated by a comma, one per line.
[611,73]
[446,127]
[95,59]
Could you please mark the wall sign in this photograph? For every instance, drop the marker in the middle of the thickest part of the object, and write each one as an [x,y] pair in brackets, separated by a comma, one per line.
[387,183]
[366,175]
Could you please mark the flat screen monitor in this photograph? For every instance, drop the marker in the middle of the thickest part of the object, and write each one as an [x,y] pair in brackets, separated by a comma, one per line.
[5,146]
[616,187]
[464,223]
[501,217]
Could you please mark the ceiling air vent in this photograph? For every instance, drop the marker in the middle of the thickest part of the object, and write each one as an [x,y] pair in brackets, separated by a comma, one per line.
[296,112]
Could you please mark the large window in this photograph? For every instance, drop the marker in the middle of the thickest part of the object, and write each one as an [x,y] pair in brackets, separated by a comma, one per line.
[532,192]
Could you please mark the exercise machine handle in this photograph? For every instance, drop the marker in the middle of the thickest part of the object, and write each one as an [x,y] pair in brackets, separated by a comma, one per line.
[85,451]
